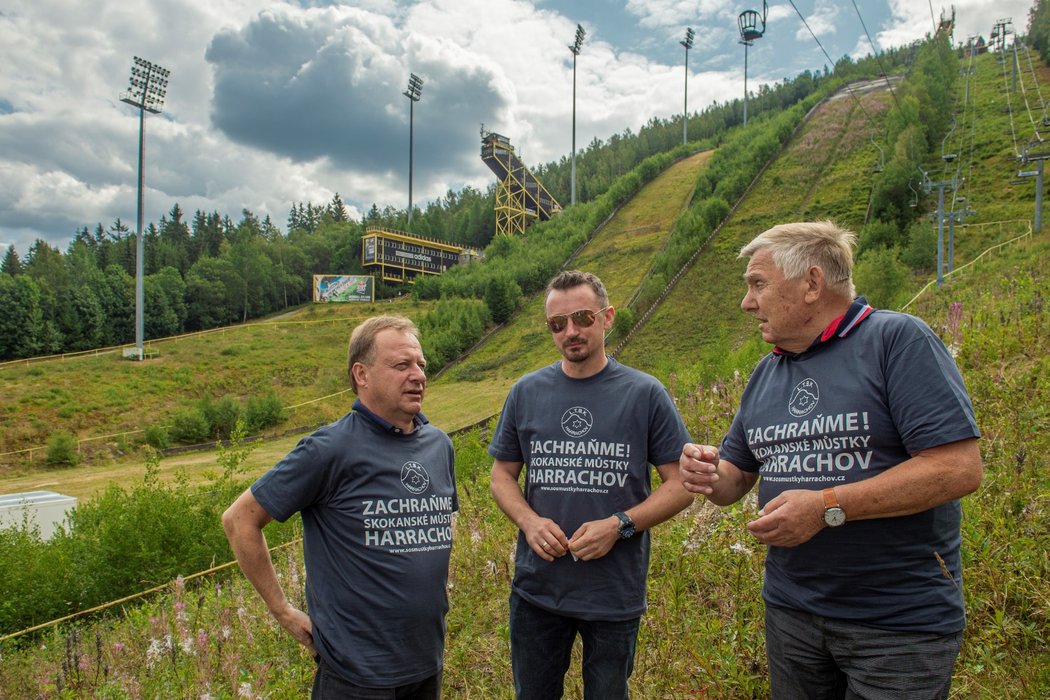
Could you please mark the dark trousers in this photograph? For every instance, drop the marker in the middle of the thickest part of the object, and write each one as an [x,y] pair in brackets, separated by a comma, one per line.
[541,649]
[329,685]
[819,658]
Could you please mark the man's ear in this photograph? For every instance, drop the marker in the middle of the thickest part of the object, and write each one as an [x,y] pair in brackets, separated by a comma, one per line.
[815,284]
[360,372]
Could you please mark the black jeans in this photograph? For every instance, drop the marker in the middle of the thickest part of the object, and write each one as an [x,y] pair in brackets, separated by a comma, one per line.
[541,648]
[329,685]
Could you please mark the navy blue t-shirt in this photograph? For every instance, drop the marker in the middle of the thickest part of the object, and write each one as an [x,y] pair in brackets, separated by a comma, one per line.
[587,445]
[377,534]
[845,410]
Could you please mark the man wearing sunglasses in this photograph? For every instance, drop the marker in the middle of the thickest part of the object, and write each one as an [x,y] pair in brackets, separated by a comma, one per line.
[588,428]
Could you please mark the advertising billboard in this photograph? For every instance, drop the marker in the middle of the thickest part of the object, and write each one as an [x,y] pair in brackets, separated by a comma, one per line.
[340,288]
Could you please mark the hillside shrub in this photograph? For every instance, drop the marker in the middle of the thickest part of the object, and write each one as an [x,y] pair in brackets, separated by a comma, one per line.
[62,450]
[881,277]
[712,211]
[879,234]
[502,296]
[33,588]
[623,322]
[221,415]
[157,437]
[190,427]
[261,412]
[921,252]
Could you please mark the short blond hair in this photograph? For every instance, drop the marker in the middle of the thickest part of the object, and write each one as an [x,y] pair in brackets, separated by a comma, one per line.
[362,346]
[797,247]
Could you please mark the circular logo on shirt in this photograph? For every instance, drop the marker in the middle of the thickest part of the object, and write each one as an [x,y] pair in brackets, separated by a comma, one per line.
[804,398]
[577,421]
[415,477]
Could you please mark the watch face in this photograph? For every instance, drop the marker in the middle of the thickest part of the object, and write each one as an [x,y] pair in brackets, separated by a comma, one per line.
[626,528]
[834,517]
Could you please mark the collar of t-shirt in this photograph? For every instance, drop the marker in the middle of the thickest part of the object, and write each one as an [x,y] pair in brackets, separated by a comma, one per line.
[839,328]
[385,425]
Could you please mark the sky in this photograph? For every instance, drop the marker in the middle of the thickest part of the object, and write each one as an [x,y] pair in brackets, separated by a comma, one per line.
[272,103]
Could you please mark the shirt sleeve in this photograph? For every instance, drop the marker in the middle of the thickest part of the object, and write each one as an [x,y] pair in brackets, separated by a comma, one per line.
[505,444]
[667,432]
[926,395]
[297,481]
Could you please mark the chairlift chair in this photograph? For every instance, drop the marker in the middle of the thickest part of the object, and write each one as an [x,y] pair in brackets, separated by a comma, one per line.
[748,22]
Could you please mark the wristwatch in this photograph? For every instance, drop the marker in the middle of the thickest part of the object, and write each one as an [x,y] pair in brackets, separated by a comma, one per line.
[626,525]
[834,516]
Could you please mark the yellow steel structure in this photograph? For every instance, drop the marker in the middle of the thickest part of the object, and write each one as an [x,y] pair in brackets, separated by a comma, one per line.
[520,198]
[398,256]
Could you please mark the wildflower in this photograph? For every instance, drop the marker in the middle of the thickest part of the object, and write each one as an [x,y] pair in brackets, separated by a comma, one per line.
[739,548]
[118,647]
[153,652]
[245,691]
[225,631]
[186,644]
[82,662]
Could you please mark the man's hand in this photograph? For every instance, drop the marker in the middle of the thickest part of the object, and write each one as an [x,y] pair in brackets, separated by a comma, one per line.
[595,538]
[699,468]
[790,519]
[298,624]
[546,538]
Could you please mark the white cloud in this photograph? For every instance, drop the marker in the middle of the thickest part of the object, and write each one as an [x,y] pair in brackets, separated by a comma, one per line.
[273,102]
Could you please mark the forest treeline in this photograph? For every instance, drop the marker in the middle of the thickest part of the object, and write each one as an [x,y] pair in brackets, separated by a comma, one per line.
[206,270]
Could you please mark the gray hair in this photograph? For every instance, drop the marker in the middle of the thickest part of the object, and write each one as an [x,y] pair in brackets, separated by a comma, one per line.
[799,246]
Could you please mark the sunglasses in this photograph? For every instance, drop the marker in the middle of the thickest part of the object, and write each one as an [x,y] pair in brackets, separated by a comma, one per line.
[584,318]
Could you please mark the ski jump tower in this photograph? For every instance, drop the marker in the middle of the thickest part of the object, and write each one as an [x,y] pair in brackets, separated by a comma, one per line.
[520,198]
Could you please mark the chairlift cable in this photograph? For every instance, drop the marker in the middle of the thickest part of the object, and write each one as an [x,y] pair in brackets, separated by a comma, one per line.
[1010,112]
[971,109]
[875,51]
[830,62]
[1035,78]
[1015,65]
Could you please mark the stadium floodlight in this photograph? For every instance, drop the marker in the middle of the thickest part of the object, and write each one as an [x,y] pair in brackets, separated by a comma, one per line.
[413,93]
[575,48]
[147,88]
[688,44]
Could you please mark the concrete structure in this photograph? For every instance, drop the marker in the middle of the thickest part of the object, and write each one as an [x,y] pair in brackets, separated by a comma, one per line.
[45,510]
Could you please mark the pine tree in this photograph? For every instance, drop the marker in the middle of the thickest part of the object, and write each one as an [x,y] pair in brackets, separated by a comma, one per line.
[337,209]
[11,265]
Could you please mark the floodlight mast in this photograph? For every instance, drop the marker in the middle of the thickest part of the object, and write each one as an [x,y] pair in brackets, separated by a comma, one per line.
[747,22]
[688,44]
[575,48]
[147,88]
[413,93]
